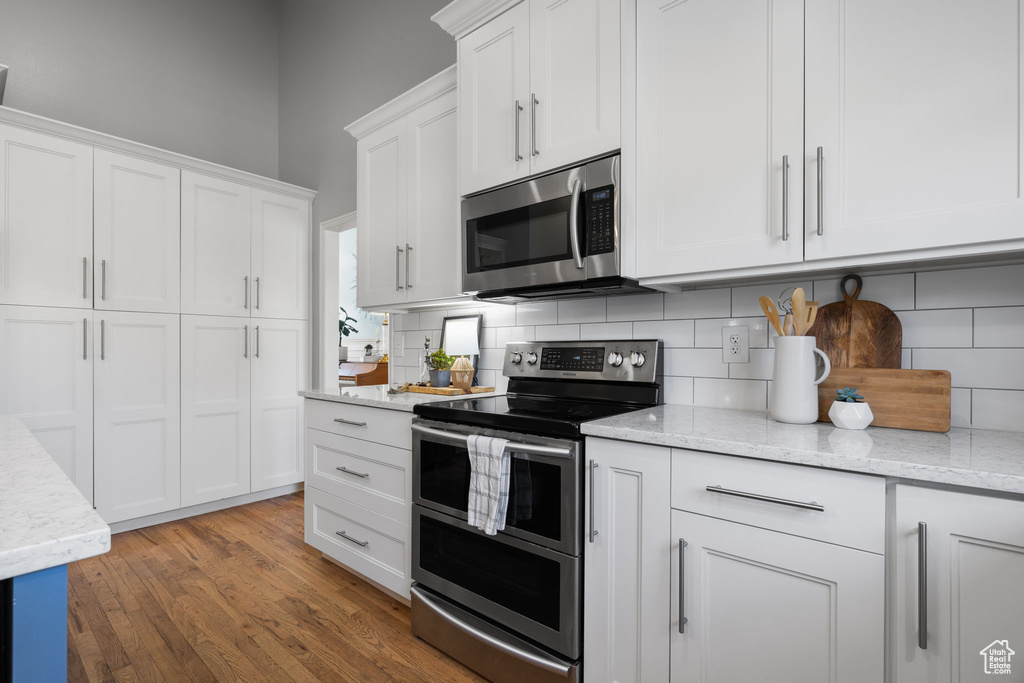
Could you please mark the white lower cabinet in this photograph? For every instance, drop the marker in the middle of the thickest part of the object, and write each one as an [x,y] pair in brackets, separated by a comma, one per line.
[137,405]
[971,563]
[46,357]
[765,606]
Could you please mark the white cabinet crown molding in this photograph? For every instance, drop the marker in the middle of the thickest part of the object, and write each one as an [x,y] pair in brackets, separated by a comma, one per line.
[99,140]
[433,87]
[464,16]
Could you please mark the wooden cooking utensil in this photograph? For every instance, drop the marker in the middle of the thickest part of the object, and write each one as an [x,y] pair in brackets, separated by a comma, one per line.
[858,334]
[810,316]
[799,309]
[787,325]
[771,313]
[903,399]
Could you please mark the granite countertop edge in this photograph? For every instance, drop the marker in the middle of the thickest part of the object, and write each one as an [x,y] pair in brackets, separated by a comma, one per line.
[375,397]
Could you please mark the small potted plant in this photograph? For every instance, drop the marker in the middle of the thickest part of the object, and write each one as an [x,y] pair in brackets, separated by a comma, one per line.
[848,410]
[440,368]
[344,330]
[368,350]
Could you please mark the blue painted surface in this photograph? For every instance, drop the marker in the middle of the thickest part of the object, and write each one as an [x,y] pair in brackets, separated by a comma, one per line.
[39,626]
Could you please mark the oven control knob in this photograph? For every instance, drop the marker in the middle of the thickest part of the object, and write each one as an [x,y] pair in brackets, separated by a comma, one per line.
[515,358]
[637,359]
[531,358]
[615,359]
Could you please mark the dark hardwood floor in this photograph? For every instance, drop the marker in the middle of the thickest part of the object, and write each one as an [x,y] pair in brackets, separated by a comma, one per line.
[237,595]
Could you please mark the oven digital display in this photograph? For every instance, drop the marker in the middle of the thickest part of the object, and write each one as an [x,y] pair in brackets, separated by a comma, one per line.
[589,359]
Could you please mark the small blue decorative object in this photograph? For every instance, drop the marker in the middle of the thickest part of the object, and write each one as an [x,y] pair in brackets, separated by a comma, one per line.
[848,395]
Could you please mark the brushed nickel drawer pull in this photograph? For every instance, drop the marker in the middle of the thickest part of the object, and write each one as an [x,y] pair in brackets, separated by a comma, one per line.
[353,540]
[785,198]
[341,420]
[922,585]
[682,582]
[362,475]
[768,499]
[593,495]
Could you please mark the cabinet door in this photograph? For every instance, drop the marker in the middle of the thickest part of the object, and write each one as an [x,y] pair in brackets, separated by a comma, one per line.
[45,220]
[280,256]
[138,426]
[720,101]
[770,607]
[435,262]
[137,234]
[916,107]
[382,206]
[46,379]
[494,91]
[626,563]
[214,408]
[280,370]
[215,220]
[974,559]
[574,81]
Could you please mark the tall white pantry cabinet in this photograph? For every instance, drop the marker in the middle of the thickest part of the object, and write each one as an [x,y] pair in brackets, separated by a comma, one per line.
[104,244]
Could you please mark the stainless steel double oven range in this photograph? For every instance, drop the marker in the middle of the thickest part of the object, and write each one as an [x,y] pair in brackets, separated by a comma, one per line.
[510,605]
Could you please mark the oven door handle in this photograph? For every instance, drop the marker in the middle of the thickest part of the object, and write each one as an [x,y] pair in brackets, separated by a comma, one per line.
[551,665]
[512,447]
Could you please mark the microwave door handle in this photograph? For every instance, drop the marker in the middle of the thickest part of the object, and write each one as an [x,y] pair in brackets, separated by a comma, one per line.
[574,224]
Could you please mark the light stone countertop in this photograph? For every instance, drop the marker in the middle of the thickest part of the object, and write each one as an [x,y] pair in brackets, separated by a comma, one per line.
[978,458]
[378,397]
[45,521]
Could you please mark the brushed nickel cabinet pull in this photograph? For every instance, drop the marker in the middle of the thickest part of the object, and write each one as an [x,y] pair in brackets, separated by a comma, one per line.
[85,339]
[785,198]
[353,540]
[103,280]
[257,298]
[398,268]
[408,257]
[245,341]
[922,585]
[103,339]
[257,341]
[517,156]
[533,123]
[85,277]
[343,421]
[821,188]
[767,499]
[361,475]
[682,598]
[593,495]
[245,301]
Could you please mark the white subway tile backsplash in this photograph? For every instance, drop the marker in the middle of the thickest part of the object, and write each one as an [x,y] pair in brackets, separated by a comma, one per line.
[558,332]
[406,321]
[695,363]
[582,311]
[492,359]
[636,307]
[745,299]
[699,303]
[539,313]
[937,328]
[738,394]
[432,319]
[999,327]
[708,333]
[504,335]
[906,361]
[960,407]
[488,339]
[486,378]
[976,368]
[997,409]
[606,331]
[677,334]
[894,291]
[762,361]
[679,390]
[498,315]
[995,286]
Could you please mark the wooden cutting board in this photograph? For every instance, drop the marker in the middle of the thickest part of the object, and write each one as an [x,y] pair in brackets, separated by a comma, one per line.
[444,391]
[858,334]
[903,399]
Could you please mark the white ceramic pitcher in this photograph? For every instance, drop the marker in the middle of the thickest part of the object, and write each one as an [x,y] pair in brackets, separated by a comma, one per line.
[794,387]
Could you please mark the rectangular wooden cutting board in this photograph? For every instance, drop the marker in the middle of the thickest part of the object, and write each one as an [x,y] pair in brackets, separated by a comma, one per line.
[444,391]
[903,399]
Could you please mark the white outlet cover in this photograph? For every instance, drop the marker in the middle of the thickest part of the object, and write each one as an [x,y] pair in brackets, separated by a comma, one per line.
[736,344]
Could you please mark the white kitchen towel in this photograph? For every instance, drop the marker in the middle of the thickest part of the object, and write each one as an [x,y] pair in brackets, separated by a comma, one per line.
[488,482]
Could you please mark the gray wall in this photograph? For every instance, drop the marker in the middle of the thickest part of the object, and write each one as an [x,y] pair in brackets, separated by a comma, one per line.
[198,77]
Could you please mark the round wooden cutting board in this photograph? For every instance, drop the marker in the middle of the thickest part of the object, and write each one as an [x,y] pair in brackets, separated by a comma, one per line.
[858,334]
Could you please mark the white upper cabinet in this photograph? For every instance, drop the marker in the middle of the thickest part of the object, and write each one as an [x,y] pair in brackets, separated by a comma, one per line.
[137,234]
[137,414]
[45,220]
[46,380]
[215,230]
[915,106]
[280,256]
[539,89]
[494,87]
[719,115]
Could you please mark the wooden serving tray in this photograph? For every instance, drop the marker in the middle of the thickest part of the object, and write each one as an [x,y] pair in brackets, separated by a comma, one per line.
[902,399]
[444,391]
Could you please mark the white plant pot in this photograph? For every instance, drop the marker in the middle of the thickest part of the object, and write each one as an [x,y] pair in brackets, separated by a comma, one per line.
[850,415]
[342,353]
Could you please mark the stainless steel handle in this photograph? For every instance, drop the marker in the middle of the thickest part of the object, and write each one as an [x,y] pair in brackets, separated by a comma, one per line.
[512,447]
[767,499]
[85,339]
[85,277]
[593,495]
[398,268]
[103,339]
[517,156]
[821,185]
[922,585]
[354,540]
[103,279]
[362,475]
[245,342]
[408,254]
[785,197]
[245,302]
[549,665]
[574,227]
[682,599]
[257,341]
[343,421]
[257,296]
[533,123]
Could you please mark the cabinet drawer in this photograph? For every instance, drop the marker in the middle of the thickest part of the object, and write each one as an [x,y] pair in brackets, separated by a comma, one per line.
[369,474]
[391,427]
[854,504]
[377,547]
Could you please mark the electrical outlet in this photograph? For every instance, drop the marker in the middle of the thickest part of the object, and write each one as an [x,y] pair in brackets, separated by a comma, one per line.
[736,344]
[399,343]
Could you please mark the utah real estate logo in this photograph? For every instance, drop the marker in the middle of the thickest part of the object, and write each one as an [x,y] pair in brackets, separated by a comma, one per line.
[997,657]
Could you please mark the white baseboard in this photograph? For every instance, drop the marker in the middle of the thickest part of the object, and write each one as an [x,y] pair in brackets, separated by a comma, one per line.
[202,509]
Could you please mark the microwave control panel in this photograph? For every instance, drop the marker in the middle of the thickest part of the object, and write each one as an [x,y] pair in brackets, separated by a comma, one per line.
[601,220]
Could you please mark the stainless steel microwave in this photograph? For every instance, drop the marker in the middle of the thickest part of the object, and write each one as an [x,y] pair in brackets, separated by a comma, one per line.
[552,237]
